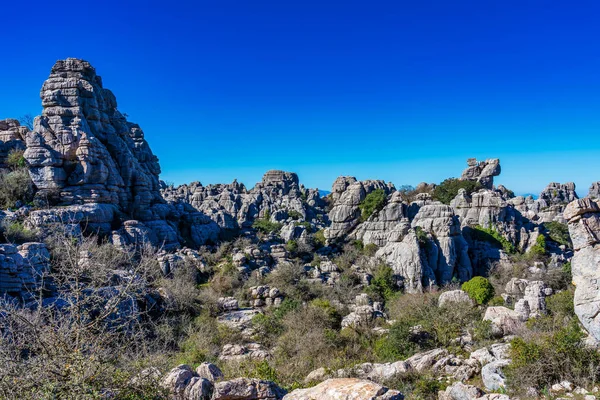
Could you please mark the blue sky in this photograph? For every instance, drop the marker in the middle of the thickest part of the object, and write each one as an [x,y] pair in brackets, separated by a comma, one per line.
[403,91]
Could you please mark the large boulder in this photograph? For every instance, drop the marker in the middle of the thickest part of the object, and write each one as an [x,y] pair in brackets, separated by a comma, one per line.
[247,389]
[482,171]
[583,218]
[345,389]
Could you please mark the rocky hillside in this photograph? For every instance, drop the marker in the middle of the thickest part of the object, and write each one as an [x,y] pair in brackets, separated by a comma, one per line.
[116,285]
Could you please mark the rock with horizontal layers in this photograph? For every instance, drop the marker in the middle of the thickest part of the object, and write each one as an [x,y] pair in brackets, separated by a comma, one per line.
[583,218]
[12,138]
[247,389]
[594,192]
[482,171]
[345,389]
[345,213]
[447,250]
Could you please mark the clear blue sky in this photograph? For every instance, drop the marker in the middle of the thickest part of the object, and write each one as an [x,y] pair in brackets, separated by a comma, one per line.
[398,90]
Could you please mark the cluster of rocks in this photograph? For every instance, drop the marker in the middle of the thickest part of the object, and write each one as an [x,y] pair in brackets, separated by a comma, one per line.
[482,171]
[278,197]
[22,269]
[206,382]
[12,137]
[583,218]
[265,296]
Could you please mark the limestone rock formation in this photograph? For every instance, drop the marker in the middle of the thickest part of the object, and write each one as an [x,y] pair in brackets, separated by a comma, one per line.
[12,137]
[447,254]
[583,218]
[345,213]
[594,192]
[345,389]
[233,207]
[482,171]
[22,269]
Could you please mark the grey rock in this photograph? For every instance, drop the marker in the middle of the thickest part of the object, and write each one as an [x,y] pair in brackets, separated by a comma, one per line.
[482,171]
[345,389]
[583,218]
[247,389]
[492,375]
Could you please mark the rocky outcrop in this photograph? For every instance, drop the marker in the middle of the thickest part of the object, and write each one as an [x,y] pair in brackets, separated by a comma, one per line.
[594,191]
[345,389]
[377,229]
[446,250]
[22,269]
[345,214]
[583,218]
[408,262]
[12,137]
[92,169]
[482,171]
[278,196]
[559,193]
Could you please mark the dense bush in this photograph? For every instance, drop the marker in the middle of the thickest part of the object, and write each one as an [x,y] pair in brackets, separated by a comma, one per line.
[382,285]
[448,189]
[479,289]
[539,248]
[493,237]
[264,225]
[15,186]
[372,203]
[15,159]
[319,238]
[541,360]
[558,233]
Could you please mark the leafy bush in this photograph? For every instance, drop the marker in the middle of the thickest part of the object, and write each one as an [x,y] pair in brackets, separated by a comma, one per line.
[15,186]
[15,232]
[292,246]
[264,225]
[541,360]
[448,189]
[15,159]
[319,238]
[382,285]
[539,248]
[372,203]
[295,215]
[493,237]
[559,233]
[479,289]
[370,249]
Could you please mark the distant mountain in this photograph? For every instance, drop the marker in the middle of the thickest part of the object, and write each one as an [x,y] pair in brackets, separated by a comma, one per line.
[324,193]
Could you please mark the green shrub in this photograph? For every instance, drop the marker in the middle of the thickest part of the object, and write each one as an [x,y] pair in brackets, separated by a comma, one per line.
[15,159]
[372,203]
[479,289]
[539,248]
[15,186]
[319,238]
[382,285]
[370,249]
[422,237]
[558,233]
[264,225]
[398,343]
[292,246]
[493,237]
[448,189]
[295,215]
[15,232]
[542,360]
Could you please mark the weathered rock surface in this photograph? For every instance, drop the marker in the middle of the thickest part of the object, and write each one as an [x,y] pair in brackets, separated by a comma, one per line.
[247,389]
[482,171]
[583,218]
[345,389]
[12,137]
[22,269]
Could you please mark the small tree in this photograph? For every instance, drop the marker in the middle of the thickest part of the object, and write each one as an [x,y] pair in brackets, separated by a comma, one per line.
[479,289]
[372,203]
[27,121]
